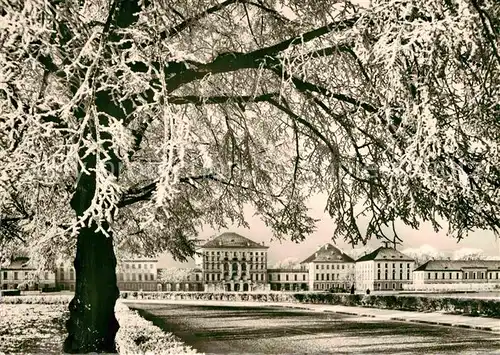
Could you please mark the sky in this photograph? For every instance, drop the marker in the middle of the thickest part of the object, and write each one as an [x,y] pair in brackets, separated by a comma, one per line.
[278,251]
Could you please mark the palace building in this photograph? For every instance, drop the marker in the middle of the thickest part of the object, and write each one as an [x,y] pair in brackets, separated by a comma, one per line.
[131,275]
[329,268]
[435,273]
[231,262]
[384,269]
[21,275]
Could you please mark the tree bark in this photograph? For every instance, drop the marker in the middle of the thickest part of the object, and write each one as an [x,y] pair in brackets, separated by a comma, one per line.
[92,325]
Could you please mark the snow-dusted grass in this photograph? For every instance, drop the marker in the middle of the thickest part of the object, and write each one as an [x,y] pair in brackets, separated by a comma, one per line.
[35,324]
[32,328]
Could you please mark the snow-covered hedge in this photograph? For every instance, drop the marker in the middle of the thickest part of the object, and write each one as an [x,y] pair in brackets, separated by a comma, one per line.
[139,336]
[51,299]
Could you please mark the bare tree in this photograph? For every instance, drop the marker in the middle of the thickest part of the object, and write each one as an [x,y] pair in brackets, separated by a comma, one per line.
[131,123]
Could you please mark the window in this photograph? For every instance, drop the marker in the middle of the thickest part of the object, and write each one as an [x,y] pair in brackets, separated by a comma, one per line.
[393,265]
[322,277]
[442,275]
[133,277]
[338,266]
[286,277]
[378,265]
[213,277]
[139,276]
[386,267]
[46,275]
[279,277]
[322,266]
[342,267]
[327,266]
[317,267]
[15,275]
[5,275]
[386,274]
[303,277]
[458,275]
[327,277]
[378,275]
[429,275]
[435,276]
[400,266]
[207,277]
[295,277]
[408,265]
[133,266]
[496,275]
[138,266]
[71,274]
[400,274]
[465,275]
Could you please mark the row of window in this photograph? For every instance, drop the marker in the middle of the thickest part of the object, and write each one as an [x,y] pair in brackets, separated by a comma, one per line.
[136,277]
[234,253]
[472,275]
[339,266]
[386,265]
[277,277]
[218,259]
[386,275]
[327,286]
[139,266]
[16,275]
[321,277]
[243,266]
[217,277]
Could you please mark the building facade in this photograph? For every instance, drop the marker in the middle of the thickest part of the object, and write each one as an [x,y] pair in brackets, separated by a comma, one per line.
[21,275]
[131,275]
[231,262]
[384,269]
[288,279]
[329,268]
[453,272]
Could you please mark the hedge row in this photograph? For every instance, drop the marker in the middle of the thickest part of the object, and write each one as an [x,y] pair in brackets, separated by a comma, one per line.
[464,306]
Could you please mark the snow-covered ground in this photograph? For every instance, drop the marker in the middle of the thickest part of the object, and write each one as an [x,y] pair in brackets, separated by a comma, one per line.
[35,324]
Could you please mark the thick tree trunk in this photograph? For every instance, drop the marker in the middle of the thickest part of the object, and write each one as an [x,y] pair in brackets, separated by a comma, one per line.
[92,325]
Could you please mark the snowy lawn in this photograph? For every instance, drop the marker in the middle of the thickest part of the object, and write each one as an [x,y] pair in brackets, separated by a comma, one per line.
[29,326]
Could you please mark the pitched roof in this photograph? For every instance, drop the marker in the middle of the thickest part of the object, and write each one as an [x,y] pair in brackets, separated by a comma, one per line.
[458,265]
[328,254]
[384,253]
[19,264]
[233,240]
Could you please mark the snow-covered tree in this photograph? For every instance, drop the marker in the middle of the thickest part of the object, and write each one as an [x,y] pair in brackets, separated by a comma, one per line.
[423,254]
[176,274]
[287,263]
[469,254]
[129,123]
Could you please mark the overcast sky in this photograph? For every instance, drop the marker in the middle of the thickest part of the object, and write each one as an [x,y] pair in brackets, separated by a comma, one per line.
[412,238]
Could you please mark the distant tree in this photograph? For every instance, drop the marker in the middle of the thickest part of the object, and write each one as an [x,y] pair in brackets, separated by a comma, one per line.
[423,254]
[176,275]
[469,254]
[287,263]
[131,123]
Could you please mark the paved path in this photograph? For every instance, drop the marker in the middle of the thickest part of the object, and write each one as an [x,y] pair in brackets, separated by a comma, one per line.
[479,323]
[257,328]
